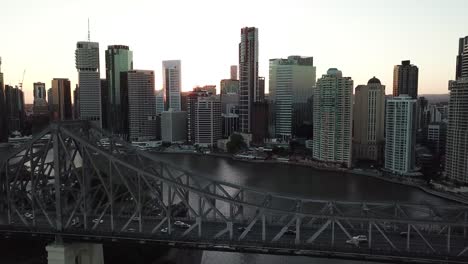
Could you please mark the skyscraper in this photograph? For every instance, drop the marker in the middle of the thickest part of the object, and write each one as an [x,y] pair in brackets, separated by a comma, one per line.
[462,58]
[119,58]
[104,100]
[137,88]
[405,79]
[159,95]
[89,81]
[61,99]
[248,77]
[400,134]
[208,121]
[333,118]
[14,102]
[39,91]
[192,104]
[233,72]
[369,120]
[172,83]
[291,84]
[3,116]
[40,106]
[174,126]
[456,163]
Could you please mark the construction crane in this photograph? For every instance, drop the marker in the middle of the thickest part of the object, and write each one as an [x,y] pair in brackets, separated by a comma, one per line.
[22,80]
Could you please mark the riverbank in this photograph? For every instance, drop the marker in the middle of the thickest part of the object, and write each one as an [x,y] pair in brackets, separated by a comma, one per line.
[414,183]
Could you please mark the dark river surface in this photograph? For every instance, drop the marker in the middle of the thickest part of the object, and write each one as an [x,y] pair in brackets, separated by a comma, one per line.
[294,180]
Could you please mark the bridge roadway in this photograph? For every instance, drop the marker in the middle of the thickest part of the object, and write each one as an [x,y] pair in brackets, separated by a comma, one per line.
[115,176]
[329,243]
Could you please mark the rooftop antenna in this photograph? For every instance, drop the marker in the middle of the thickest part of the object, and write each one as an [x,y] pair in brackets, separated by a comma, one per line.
[89,34]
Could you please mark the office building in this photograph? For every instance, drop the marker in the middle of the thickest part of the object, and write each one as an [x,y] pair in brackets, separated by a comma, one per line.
[76,102]
[14,103]
[260,118]
[229,86]
[61,100]
[89,81]
[248,77]
[119,58]
[159,95]
[369,121]
[192,101]
[208,121]
[39,91]
[333,118]
[172,83]
[3,117]
[104,100]
[174,126]
[462,58]
[229,103]
[456,163]
[230,124]
[233,72]
[138,100]
[436,138]
[400,134]
[291,85]
[405,79]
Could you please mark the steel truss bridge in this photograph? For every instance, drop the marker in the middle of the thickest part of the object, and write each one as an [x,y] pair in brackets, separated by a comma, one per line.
[78,183]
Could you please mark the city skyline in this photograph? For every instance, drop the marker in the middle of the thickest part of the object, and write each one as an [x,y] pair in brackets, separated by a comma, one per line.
[371,48]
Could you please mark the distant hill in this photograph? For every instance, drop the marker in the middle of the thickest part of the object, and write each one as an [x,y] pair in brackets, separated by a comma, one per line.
[436,98]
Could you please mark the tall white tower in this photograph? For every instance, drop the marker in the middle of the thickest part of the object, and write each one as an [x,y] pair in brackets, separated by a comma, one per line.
[400,134]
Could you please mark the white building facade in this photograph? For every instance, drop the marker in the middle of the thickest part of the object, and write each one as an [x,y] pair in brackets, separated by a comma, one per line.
[400,134]
[332,104]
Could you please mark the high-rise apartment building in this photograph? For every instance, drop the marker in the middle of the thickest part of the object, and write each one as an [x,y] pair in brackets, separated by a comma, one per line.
[405,79]
[291,84]
[400,134]
[369,121]
[248,77]
[456,163]
[89,81]
[3,116]
[333,118]
[172,83]
[192,104]
[61,99]
[119,58]
[137,88]
[233,72]
[462,58]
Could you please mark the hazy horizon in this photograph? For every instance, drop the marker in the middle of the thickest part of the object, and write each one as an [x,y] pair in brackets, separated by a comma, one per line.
[362,38]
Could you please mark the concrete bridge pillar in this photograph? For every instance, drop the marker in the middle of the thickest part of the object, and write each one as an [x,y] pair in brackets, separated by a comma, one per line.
[75,253]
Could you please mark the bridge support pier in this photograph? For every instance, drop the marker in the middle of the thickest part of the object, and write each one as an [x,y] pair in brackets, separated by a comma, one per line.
[75,253]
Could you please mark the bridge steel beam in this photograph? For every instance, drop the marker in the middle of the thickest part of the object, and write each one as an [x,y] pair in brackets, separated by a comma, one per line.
[82,182]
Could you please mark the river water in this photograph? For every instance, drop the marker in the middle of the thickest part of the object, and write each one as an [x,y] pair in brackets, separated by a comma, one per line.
[295,180]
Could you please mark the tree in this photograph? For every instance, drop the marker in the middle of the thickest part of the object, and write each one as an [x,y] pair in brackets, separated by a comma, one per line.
[236,143]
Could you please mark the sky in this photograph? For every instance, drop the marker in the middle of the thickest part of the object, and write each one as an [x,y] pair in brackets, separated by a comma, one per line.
[363,38]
